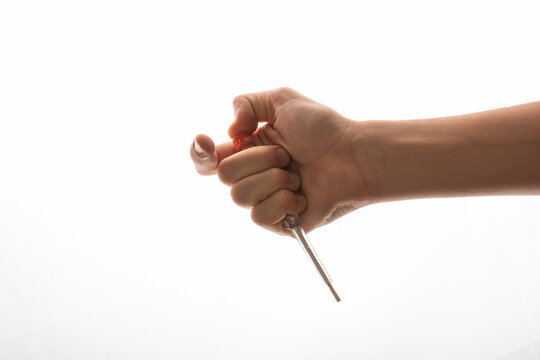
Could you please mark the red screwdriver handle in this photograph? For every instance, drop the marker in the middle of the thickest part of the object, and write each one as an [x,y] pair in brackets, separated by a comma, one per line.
[242,141]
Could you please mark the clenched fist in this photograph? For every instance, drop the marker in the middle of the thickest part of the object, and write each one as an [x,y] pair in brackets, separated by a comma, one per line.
[304,163]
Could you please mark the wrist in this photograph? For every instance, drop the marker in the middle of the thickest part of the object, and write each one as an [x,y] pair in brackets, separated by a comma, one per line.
[404,159]
[397,160]
[368,154]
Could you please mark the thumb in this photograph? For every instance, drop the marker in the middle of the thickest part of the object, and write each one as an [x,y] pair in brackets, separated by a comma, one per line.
[250,109]
[206,156]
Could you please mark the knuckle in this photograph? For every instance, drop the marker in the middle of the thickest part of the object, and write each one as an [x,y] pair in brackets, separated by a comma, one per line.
[280,177]
[285,90]
[284,198]
[238,100]
[283,94]
[239,197]
[301,203]
[270,157]
[224,173]
[257,216]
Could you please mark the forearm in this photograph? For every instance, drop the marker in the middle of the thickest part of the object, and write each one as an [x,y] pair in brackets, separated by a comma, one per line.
[495,152]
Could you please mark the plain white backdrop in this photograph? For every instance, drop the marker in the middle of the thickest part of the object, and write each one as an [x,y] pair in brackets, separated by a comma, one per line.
[112,246]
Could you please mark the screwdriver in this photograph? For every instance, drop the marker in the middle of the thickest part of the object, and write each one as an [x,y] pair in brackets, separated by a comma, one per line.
[292,222]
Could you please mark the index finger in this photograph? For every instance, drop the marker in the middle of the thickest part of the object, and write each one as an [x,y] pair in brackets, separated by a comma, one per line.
[250,109]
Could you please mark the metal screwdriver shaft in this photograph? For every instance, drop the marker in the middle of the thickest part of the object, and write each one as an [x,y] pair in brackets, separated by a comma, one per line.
[292,223]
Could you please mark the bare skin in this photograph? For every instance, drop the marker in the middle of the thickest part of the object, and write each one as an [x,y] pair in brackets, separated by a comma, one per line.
[332,165]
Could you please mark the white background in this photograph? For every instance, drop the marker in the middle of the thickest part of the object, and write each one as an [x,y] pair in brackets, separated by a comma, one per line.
[112,247]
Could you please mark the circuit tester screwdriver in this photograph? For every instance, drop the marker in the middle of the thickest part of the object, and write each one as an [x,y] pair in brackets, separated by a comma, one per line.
[292,222]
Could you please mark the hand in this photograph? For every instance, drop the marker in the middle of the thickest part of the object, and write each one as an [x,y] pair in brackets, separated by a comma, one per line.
[304,162]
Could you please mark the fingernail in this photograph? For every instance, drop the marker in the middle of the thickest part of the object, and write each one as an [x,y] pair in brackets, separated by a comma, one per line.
[295,178]
[199,150]
[282,156]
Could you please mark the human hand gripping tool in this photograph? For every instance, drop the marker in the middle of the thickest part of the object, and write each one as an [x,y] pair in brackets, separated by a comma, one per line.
[292,222]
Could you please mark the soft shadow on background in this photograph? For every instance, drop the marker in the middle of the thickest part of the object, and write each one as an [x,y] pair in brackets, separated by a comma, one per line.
[112,247]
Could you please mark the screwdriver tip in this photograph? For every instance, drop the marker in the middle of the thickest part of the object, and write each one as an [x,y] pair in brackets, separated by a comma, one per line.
[334,292]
